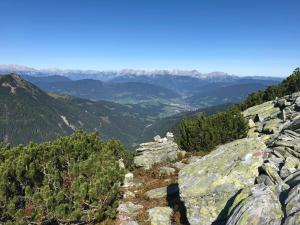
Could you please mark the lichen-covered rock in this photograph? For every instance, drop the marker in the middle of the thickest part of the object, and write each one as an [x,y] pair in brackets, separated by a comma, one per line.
[258,205]
[263,110]
[207,185]
[161,150]
[160,215]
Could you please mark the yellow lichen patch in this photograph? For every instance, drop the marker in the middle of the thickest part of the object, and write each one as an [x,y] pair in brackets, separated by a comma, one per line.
[264,110]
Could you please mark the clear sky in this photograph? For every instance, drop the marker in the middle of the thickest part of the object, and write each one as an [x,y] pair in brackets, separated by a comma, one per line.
[243,37]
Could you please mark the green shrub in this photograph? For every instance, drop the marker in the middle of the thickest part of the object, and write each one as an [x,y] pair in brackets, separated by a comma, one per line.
[74,179]
[204,133]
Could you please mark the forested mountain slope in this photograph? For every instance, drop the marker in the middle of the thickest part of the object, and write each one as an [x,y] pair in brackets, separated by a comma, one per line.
[29,114]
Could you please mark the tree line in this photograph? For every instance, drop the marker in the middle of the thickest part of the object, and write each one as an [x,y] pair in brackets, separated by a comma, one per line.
[206,132]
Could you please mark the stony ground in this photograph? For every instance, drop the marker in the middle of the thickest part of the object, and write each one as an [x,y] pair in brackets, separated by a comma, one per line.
[152,196]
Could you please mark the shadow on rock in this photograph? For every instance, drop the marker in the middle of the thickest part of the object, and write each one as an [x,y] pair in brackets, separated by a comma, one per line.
[222,217]
[176,204]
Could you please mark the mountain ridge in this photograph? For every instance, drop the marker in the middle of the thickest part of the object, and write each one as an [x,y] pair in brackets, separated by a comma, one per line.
[109,74]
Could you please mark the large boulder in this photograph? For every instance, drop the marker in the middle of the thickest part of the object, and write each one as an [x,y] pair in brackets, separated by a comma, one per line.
[161,150]
[258,205]
[209,183]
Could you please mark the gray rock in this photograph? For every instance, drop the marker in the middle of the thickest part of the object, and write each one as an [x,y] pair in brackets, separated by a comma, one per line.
[264,179]
[292,203]
[128,181]
[283,115]
[121,164]
[275,160]
[207,185]
[129,208]
[159,151]
[160,215]
[166,171]
[294,125]
[258,205]
[292,206]
[129,194]
[170,136]
[284,172]
[157,138]
[163,191]
[272,171]
[293,179]
[281,103]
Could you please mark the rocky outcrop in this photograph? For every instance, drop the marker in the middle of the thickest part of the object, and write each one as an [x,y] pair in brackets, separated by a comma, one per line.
[255,205]
[255,180]
[209,183]
[161,150]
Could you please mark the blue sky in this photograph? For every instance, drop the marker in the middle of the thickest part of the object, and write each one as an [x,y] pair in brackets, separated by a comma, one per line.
[251,37]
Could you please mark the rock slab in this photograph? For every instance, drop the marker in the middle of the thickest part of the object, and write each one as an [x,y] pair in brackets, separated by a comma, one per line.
[207,184]
[161,150]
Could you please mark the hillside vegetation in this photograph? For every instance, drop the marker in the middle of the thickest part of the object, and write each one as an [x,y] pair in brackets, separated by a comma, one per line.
[204,133]
[72,180]
[288,86]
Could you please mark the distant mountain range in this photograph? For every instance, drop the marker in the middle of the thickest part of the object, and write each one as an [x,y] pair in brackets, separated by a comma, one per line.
[170,91]
[110,74]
